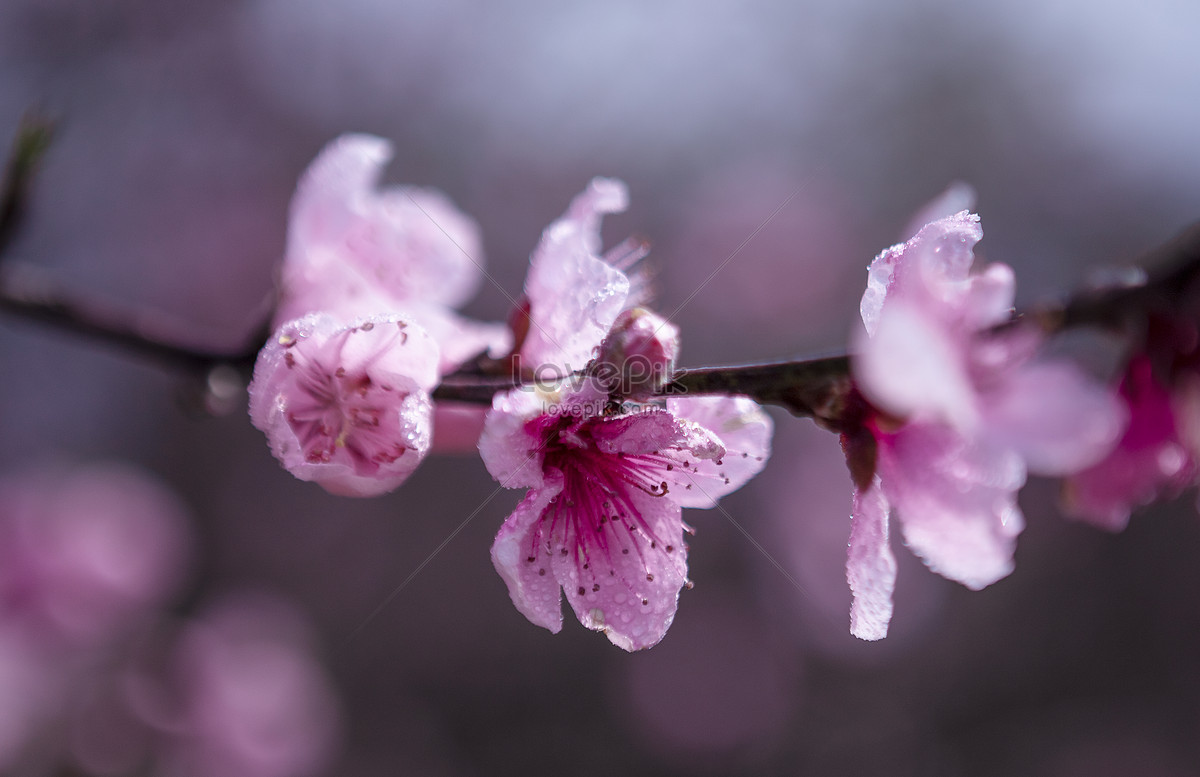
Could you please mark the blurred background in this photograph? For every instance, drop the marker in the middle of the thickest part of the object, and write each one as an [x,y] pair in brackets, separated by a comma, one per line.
[817,128]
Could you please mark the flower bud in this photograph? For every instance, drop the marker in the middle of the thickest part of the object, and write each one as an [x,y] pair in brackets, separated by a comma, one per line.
[638,355]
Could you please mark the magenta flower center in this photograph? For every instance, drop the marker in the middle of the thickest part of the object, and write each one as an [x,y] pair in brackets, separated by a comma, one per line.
[603,517]
[340,410]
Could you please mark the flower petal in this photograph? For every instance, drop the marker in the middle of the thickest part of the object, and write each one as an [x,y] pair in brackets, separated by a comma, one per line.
[927,267]
[743,431]
[509,449]
[914,366]
[957,197]
[1151,459]
[1058,419]
[519,559]
[574,295]
[637,434]
[623,577]
[955,499]
[328,197]
[870,565]
[402,243]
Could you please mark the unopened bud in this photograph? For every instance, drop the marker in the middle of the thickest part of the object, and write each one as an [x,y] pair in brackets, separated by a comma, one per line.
[638,355]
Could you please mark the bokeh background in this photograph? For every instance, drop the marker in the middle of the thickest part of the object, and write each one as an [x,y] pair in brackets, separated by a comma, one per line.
[816,128]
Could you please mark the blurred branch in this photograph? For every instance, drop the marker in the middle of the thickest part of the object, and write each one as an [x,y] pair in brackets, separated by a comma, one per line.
[1171,274]
[820,388]
[29,146]
[29,297]
[24,293]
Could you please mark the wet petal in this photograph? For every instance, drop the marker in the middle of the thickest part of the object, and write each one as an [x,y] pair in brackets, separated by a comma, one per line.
[622,576]
[640,433]
[510,449]
[870,565]
[929,267]
[957,197]
[574,295]
[742,430]
[519,557]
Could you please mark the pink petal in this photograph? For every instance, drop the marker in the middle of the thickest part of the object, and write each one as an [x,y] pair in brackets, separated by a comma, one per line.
[325,283]
[915,366]
[622,577]
[1058,419]
[955,499]
[420,246]
[532,585]
[509,449]
[925,268]
[402,243]
[988,298]
[743,431]
[574,295]
[459,338]
[328,196]
[637,434]
[870,565]
[944,247]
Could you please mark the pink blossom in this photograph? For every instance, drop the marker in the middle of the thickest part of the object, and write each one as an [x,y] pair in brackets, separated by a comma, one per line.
[84,551]
[356,251]
[347,405]
[1151,459]
[349,239]
[85,554]
[968,411]
[243,696]
[602,518]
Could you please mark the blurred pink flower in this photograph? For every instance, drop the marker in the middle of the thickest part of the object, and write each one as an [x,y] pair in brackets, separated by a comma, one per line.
[243,696]
[965,412]
[84,555]
[602,516]
[84,551]
[1156,456]
[357,251]
[347,405]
